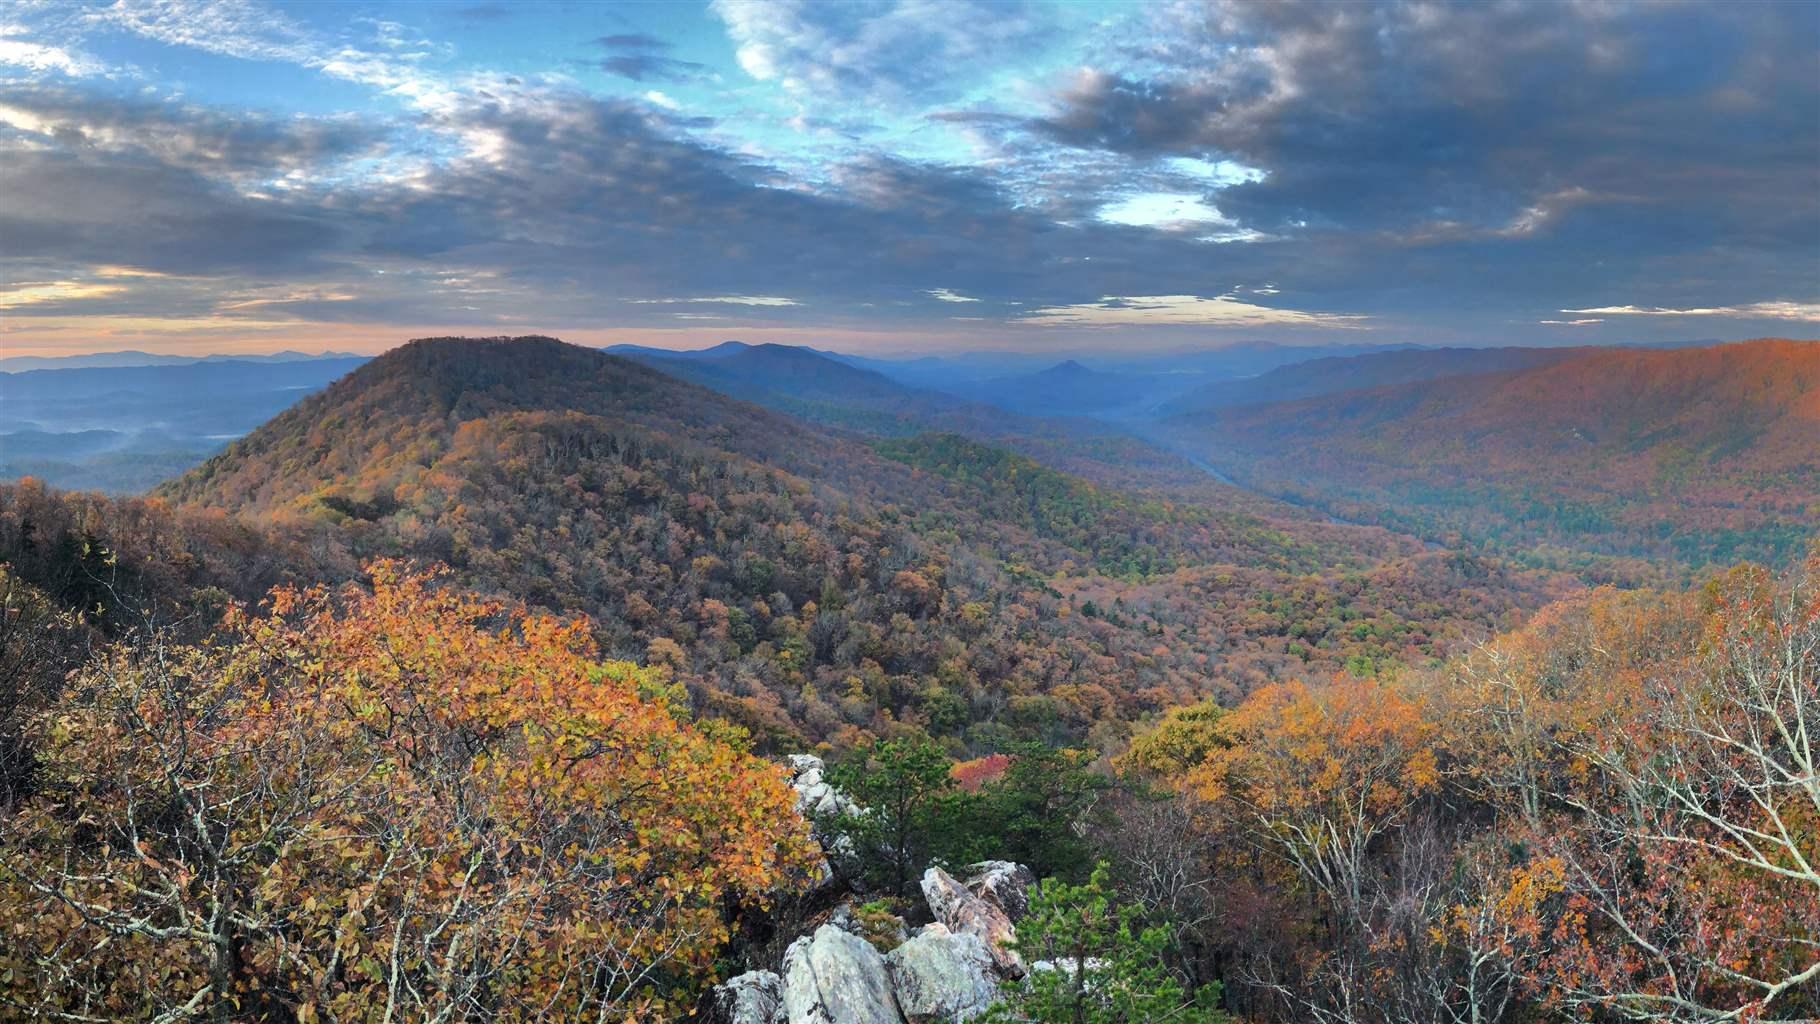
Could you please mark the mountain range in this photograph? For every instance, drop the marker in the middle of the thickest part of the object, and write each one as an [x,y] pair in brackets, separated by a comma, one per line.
[1689,455]
[125,428]
[133,357]
[803,580]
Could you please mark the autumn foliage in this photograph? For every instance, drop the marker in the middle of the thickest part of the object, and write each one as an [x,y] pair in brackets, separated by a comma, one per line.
[1629,462]
[813,587]
[400,803]
[1611,814]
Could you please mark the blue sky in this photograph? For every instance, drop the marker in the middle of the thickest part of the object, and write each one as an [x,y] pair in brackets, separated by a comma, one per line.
[906,176]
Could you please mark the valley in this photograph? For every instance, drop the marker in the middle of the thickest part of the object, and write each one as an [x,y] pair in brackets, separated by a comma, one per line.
[909,512]
[1036,638]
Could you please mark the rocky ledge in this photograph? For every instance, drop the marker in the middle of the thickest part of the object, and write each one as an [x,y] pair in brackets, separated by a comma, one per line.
[947,971]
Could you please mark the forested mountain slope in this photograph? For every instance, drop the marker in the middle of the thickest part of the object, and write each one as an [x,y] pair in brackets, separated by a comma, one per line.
[799,581]
[1348,373]
[1071,388]
[1693,455]
[814,386]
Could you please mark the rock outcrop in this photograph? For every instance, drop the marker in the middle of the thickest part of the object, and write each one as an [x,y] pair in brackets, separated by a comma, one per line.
[942,977]
[835,977]
[947,972]
[756,997]
[963,912]
[814,795]
[1003,884]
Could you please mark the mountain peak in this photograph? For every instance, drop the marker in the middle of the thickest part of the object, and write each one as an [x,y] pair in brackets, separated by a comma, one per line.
[398,413]
[725,348]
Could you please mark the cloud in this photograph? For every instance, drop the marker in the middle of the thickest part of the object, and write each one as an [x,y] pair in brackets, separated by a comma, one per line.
[247,30]
[1178,212]
[631,41]
[279,296]
[1572,323]
[96,208]
[1538,215]
[1181,310]
[1804,311]
[640,57]
[40,58]
[28,293]
[1494,119]
[721,300]
[900,52]
[484,12]
[1434,172]
[649,67]
[231,28]
[185,135]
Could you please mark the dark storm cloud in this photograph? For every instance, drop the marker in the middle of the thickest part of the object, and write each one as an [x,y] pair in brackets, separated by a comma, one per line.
[1426,119]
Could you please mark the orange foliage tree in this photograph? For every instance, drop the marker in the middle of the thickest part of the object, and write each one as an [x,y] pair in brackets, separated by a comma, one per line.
[1685,878]
[1323,772]
[385,805]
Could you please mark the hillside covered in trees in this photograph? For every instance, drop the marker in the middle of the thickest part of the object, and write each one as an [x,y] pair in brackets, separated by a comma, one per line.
[472,674]
[1608,460]
[811,585]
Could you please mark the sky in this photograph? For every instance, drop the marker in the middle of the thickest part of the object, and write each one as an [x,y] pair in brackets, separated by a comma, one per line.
[906,176]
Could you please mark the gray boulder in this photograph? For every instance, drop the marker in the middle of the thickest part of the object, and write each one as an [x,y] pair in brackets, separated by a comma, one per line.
[814,796]
[834,977]
[942,977]
[756,997]
[964,913]
[813,793]
[1003,884]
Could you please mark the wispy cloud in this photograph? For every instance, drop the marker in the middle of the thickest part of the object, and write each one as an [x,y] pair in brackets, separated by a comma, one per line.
[720,300]
[948,295]
[1186,310]
[41,57]
[254,31]
[32,293]
[1804,311]
[899,52]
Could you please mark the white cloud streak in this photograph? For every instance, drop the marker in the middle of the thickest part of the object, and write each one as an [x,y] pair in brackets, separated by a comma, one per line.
[1181,310]
[1808,312]
[40,58]
[721,300]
